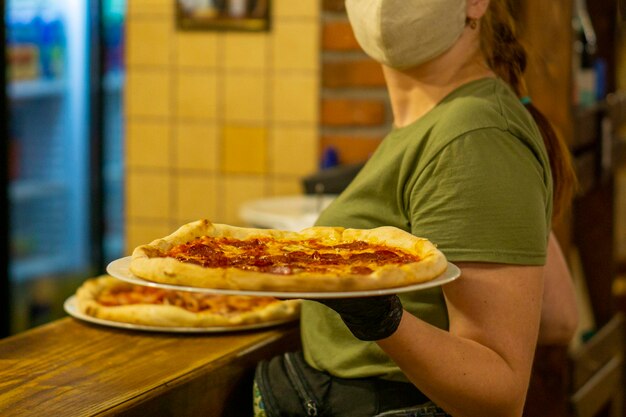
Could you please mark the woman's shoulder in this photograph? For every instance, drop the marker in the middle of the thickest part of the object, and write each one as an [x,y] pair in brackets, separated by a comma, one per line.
[486,104]
[479,104]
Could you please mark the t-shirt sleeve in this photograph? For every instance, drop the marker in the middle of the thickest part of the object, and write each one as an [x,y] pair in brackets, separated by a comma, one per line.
[484,197]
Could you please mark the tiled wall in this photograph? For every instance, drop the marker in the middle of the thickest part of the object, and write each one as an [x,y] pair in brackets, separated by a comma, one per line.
[214,119]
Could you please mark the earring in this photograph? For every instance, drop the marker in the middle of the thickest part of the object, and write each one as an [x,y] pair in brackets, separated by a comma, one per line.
[472,23]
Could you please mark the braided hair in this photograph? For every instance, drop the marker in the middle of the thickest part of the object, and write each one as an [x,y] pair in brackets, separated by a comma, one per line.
[506,56]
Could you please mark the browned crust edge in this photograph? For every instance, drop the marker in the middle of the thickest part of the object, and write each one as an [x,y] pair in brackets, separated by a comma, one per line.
[147,265]
[173,316]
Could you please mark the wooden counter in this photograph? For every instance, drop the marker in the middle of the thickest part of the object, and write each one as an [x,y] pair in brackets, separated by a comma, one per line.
[70,368]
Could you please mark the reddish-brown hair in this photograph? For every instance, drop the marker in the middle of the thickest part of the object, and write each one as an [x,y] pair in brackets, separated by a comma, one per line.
[506,56]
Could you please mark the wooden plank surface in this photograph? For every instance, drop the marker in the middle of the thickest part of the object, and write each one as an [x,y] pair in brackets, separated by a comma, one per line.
[605,345]
[546,31]
[73,368]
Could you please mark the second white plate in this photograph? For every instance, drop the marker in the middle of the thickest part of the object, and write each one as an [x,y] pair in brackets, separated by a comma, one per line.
[70,308]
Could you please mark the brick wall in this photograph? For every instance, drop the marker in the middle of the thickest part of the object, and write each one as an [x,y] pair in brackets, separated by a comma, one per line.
[354,110]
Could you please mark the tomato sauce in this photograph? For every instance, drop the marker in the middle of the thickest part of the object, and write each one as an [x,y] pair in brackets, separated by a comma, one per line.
[288,257]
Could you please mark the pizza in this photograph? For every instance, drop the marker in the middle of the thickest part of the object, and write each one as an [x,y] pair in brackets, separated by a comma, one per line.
[108,298]
[316,259]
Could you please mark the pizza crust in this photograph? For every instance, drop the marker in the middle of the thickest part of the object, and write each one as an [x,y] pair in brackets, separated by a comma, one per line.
[161,315]
[148,263]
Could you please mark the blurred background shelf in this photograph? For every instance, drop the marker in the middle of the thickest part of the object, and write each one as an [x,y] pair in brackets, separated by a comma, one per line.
[33,89]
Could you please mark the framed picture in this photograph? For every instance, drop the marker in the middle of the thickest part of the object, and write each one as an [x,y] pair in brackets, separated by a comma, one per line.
[245,15]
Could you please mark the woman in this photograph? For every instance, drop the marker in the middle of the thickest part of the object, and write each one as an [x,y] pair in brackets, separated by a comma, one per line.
[472,166]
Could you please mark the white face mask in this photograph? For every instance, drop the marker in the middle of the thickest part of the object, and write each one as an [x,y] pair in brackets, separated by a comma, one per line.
[406,33]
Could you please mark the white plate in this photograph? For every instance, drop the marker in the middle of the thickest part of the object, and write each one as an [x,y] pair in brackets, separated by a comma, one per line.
[120,269]
[71,309]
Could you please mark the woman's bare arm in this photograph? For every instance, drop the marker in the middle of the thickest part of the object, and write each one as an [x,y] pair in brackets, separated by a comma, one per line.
[481,367]
[559,312]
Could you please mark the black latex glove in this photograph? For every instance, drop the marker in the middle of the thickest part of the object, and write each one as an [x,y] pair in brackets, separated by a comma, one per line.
[368,318]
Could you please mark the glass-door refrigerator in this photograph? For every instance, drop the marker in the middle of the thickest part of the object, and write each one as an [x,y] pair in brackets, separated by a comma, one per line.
[63,136]
[110,78]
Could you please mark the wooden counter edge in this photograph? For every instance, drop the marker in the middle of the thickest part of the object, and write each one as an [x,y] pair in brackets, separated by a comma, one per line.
[221,388]
[215,387]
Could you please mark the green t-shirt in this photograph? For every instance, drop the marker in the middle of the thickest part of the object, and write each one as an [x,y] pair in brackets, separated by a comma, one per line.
[472,176]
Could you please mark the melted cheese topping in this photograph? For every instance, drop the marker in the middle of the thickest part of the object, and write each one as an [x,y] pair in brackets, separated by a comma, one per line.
[195,302]
[286,257]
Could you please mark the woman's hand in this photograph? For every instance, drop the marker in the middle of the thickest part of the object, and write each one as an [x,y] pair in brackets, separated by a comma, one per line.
[368,318]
